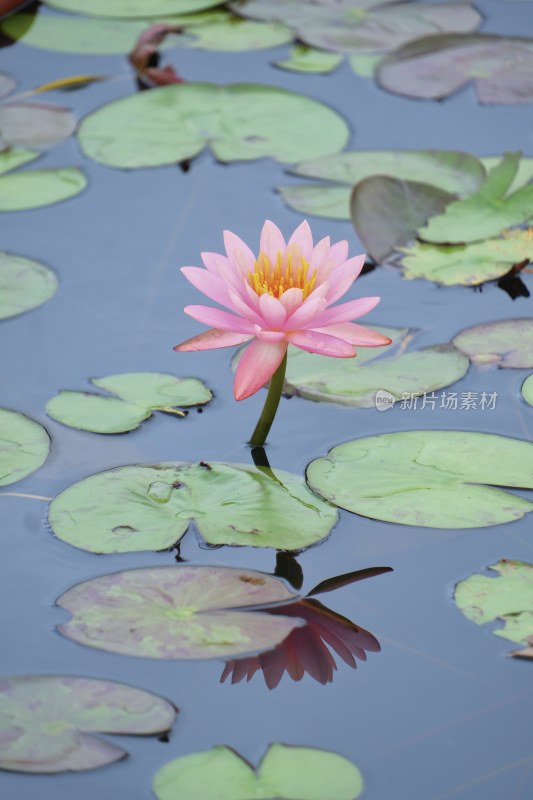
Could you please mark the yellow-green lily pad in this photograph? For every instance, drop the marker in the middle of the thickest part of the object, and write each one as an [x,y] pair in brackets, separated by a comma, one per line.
[24,284]
[24,446]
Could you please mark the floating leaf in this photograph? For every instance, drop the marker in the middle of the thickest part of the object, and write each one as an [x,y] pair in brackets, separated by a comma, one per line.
[140,394]
[47,722]
[24,284]
[129,9]
[436,66]
[286,772]
[431,479]
[150,508]
[524,173]
[24,446]
[508,598]
[467,264]
[40,187]
[13,157]
[233,34]
[7,84]
[485,213]
[527,390]
[365,64]
[506,343]
[332,202]
[387,212]
[238,122]
[34,125]
[308,59]
[177,612]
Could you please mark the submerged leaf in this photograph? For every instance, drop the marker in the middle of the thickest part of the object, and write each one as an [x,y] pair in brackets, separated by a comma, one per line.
[47,722]
[177,612]
[150,508]
[40,187]
[24,446]
[238,122]
[506,343]
[24,284]
[508,598]
[286,772]
[432,479]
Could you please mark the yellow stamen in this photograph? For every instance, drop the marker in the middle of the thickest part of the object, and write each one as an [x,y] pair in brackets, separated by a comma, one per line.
[275,279]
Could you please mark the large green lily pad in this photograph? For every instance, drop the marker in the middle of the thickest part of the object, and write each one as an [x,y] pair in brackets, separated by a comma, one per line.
[506,343]
[527,390]
[357,382]
[22,191]
[47,722]
[24,284]
[436,66]
[387,212]
[15,157]
[138,395]
[286,772]
[238,122]
[487,212]
[150,508]
[467,264]
[508,598]
[178,612]
[129,9]
[524,173]
[433,479]
[227,33]
[320,199]
[24,446]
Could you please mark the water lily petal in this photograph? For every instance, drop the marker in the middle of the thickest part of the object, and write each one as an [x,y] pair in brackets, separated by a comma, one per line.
[239,253]
[306,315]
[270,336]
[339,252]
[211,340]
[213,261]
[356,334]
[272,311]
[208,283]
[318,342]
[271,241]
[256,367]
[223,320]
[346,311]
[320,255]
[291,300]
[343,276]
[244,308]
[303,237]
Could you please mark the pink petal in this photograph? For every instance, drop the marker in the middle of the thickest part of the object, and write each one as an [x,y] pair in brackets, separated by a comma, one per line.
[346,311]
[342,277]
[320,253]
[213,261]
[270,336]
[212,339]
[256,367]
[244,308]
[215,317]
[303,237]
[291,300]
[239,253]
[306,315]
[272,311]
[339,252]
[208,283]
[356,334]
[317,342]
[271,241]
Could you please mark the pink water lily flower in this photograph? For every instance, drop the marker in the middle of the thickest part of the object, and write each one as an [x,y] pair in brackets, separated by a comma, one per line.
[283,296]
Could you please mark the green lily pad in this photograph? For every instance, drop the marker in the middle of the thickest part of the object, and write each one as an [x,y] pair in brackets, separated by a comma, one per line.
[432,479]
[138,395]
[332,202]
[151,507]
[24,446]
[286,772]
[365,64]
[527,390]
[357,382]
[233,34]
[309,59]
[508,598]
[238,122]
[24,284]
[34,124]
[487,212]
[506,343]
[178,612]
[524,173]
[22,191]
[387,212]
[434,67]
[467,264]
[129,9]
[47,722]
[14,157]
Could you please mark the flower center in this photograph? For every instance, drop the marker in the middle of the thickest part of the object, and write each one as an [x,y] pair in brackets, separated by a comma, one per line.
[275,279]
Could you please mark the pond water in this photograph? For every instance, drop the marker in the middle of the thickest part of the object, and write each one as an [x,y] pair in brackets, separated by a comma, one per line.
[441,712]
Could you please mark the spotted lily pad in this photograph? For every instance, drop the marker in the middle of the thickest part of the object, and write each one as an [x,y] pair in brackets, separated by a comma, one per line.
[436,66]
[506,343]
[285,772]
[527,390]
[178,612]
[24,284]
[508,598]
[150,508]
[238,122]
[129,9]
[354,382]
[47,723]
[138,395]
[24,446]
[467,264]
[433,479]
[34,188]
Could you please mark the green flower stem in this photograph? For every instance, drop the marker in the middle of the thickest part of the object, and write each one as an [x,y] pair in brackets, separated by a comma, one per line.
[271,405]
